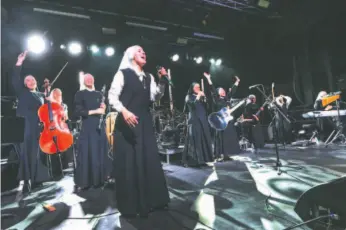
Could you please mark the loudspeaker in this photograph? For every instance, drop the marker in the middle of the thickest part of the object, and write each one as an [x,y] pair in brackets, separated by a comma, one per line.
[322,200]
[9,166]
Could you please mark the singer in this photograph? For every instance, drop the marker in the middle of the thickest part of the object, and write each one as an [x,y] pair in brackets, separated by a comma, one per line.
[93,164]
[283,127]
[140,181]
[198,144]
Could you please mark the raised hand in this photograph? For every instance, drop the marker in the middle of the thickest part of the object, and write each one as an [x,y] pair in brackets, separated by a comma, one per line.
[21,58]
[206,75]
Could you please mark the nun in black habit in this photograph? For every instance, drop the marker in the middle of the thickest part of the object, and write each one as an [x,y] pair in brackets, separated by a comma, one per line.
[226,142]
[33,163]
[198,144]
[140,181]
[93,166]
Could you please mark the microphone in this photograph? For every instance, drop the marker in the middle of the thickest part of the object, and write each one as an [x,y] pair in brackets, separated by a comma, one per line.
[254,86]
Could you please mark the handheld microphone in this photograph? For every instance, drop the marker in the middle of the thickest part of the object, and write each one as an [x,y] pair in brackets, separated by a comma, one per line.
[254,86]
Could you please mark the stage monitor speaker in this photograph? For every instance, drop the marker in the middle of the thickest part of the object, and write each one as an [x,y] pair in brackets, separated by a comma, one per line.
[9,166]
[324,199]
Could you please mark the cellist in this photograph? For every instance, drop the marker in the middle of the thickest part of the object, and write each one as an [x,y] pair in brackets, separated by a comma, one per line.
[56,96]
[33,170]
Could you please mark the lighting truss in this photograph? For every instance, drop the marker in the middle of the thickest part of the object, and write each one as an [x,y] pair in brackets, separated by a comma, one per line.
[239,5]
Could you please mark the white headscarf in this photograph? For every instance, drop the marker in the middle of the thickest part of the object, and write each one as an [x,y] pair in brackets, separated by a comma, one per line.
[320,95]
[129,54]
[81,81]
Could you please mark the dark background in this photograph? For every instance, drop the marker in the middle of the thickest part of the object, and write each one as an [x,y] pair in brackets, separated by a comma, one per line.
[299,45]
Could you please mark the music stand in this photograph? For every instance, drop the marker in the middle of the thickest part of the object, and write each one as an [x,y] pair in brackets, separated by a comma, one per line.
[278,164]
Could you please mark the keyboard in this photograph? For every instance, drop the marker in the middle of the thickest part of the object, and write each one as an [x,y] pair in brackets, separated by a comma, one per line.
[330,113]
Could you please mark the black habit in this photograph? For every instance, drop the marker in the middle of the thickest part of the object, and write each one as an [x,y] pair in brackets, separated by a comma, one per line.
[33,164]
[226,142]
[93,164]
[198,143]
[140,181]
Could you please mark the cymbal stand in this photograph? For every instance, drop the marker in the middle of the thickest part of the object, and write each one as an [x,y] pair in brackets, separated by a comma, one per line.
[338,129]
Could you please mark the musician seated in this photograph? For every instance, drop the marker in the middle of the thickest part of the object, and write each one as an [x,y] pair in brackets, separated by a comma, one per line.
[318,102]
[324,124]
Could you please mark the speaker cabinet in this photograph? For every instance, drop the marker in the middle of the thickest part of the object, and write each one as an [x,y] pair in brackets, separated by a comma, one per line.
[321,200]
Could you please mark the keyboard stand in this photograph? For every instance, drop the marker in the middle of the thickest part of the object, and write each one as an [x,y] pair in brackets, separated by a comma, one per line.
[338,130]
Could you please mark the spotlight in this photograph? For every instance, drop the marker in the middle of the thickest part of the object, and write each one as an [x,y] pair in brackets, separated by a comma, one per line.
[218,62]
[94,49]
[199,60]
[109,51]
[36,44]
[75,48]
[175,57]
[62,47]
[212,60]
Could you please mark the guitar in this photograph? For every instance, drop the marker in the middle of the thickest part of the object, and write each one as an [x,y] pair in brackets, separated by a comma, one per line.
[219,120]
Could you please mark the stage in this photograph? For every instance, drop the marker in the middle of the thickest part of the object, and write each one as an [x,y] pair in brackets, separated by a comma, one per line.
[246,193]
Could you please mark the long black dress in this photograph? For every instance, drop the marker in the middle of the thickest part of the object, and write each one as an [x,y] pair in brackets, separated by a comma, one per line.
[283,127]
[226,142]
[93,164]
[33,163]
[198,144]
[140,181]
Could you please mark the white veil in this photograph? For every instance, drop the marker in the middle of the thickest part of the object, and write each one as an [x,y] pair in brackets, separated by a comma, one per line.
[129,54]
[81,81]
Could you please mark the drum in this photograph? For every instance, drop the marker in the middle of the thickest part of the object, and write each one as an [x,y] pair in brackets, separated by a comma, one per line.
[110,125]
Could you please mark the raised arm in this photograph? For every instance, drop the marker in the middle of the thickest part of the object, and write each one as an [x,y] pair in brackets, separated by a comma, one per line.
[233,90]
[211,88]
[17,83]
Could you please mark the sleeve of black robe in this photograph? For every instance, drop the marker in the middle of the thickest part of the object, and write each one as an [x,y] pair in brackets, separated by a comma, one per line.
[232,92]
[17,83]
[80,110]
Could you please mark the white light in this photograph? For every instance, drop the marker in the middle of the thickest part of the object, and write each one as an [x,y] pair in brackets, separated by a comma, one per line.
[212,61]
[94,49]
[218,62]
[36,44]
[175,57]
[75,48]
[62,47]
[199,60]
[109,51]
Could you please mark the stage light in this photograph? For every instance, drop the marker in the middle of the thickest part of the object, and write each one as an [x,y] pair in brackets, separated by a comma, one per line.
[175,57]
[199,60]
[36,44]
[212,60]
[109,51]
[94,49]
[218,62]
[75,48]
[62,47]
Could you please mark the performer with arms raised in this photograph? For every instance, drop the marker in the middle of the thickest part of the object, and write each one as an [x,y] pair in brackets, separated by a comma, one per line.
[140,181]
[283,127]
[93,163]
[33,168]
[226,142]
[198,144]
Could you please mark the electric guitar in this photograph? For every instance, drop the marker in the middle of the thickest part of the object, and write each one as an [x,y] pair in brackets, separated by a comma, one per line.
[219,120]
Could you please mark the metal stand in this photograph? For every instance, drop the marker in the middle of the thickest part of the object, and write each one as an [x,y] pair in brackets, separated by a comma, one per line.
[338,130]
[278,164]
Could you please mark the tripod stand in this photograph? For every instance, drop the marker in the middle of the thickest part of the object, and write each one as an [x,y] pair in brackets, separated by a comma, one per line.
[338,129]
[276,110]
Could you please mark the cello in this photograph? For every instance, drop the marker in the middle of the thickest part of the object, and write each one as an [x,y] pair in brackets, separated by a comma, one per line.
[55,136]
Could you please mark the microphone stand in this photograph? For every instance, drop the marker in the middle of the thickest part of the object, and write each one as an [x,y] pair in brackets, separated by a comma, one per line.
[278,164]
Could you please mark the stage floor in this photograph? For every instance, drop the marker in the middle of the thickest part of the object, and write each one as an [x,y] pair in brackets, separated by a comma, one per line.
[229,195]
